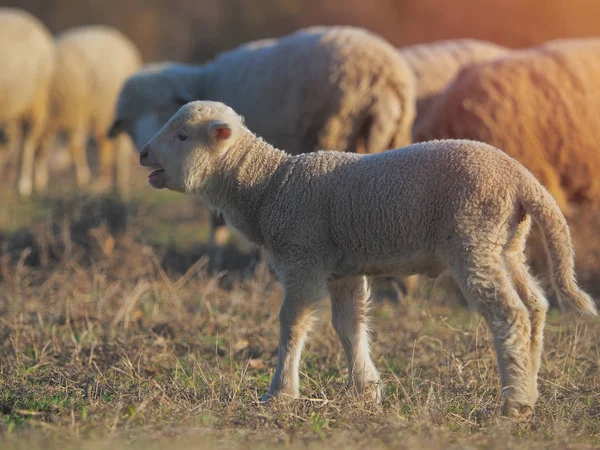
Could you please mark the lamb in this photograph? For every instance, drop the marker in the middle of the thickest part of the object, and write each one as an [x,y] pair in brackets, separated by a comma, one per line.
[435,64]
[340,88]
[92,63]
[540,106]
[27,54]
[454,204]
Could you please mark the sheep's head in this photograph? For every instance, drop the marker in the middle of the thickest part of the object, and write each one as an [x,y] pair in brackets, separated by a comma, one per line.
[189,148]
[146,101]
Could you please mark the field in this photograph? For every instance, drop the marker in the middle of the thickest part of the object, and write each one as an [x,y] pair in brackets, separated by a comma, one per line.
[115,333]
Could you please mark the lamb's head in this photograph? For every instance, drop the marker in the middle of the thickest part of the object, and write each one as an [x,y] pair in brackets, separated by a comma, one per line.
[189,149]
[146,101]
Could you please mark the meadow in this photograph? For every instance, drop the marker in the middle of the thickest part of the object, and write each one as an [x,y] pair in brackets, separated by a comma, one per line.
[116,332]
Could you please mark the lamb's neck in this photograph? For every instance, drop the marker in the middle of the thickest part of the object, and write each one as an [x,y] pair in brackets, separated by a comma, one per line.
[242,184]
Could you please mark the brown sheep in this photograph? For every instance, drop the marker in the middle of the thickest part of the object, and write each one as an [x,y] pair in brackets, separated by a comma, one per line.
[540,105]
[435,64]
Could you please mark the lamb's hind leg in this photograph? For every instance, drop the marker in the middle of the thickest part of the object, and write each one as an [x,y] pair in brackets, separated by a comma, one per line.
[301,295]
[349,306]
[530,293]
[486,283]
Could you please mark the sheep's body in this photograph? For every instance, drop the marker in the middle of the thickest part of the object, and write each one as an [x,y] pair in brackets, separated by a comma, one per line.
[539,105]
[339,88]
[26,52]
[92,63]
[435,64]
[458,205]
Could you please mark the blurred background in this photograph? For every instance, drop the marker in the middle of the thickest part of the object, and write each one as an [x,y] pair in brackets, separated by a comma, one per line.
[196,31]
[193,31]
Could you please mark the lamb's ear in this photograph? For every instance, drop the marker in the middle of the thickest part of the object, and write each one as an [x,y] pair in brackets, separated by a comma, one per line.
[116,128]
[219,131]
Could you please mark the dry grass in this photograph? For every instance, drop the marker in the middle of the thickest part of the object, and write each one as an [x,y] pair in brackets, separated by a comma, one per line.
[108,339]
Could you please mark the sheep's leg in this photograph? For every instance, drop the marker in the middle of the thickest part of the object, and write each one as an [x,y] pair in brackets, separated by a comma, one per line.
[218,237]
[12,143]
[78,148]
[486,283]
[35,128]
[531,294]
[106,161]
[295,319]
[349,306]
[42,160]
[124,147]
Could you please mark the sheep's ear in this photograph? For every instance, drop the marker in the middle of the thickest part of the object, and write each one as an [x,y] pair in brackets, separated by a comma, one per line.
[116,128]
[219,131]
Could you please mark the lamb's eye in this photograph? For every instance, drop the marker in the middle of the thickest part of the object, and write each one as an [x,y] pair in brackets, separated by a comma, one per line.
[182,137]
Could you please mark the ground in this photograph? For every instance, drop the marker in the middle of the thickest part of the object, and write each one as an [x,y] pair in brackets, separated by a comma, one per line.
[115,333]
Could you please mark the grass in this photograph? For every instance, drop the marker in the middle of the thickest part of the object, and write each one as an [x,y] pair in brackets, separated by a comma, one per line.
[105,342]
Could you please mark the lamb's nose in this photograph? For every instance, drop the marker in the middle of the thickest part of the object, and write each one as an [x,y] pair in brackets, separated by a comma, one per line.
[143,153]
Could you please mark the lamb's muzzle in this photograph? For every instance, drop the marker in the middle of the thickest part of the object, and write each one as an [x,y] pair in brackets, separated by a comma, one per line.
[148,159]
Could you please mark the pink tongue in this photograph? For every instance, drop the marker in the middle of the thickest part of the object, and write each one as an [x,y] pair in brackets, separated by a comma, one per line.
[156,172]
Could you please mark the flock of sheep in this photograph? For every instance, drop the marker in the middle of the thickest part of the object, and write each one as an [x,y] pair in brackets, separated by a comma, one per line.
[455,205]
[68,85]
[337,88]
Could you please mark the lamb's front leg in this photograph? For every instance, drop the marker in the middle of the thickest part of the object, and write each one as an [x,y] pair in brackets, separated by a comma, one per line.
[349,307]
[295,319]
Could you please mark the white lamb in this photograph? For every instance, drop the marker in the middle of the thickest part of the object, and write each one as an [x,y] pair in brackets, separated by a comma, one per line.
[329,219]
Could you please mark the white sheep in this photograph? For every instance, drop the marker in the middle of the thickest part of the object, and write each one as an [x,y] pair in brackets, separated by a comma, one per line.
[329,219]
[435,64]
[340,88]
[92,63]
[26,52]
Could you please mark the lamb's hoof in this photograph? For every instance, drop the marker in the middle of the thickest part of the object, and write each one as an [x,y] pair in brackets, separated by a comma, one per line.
[378,394]
[517,412]
[374,392]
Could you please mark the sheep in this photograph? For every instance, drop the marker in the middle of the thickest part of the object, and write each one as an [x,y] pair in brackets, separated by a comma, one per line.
[435,64]
[340,88]
[539,105]
[26,51]
[329,219]
[92,63]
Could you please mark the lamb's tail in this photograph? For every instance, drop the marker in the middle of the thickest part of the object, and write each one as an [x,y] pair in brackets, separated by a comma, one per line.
[538,202]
